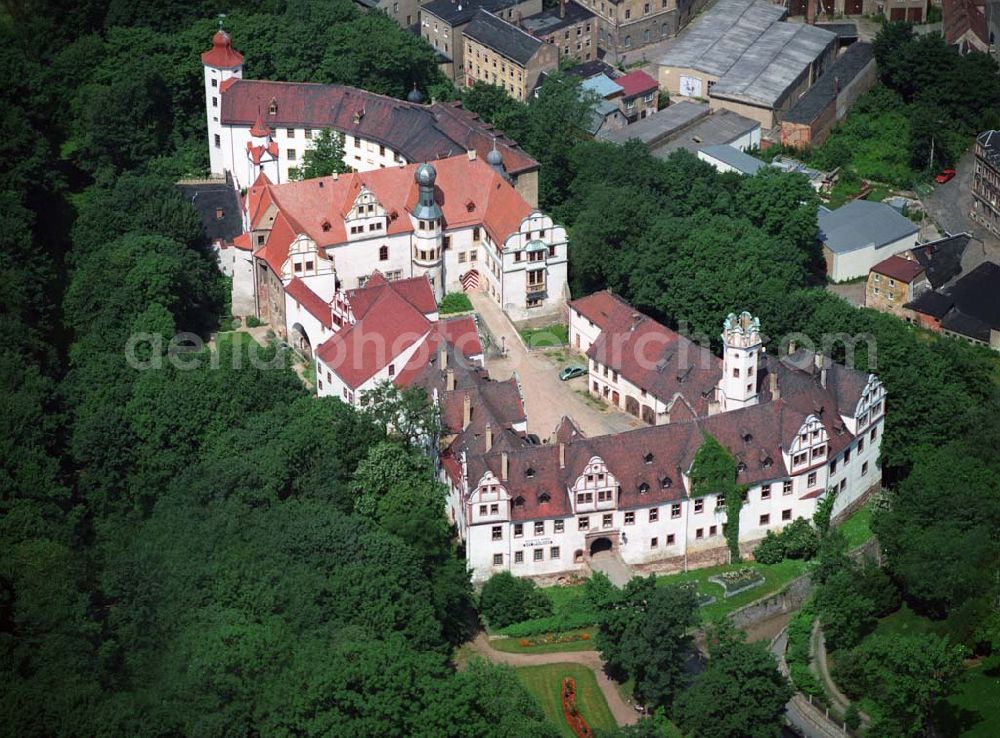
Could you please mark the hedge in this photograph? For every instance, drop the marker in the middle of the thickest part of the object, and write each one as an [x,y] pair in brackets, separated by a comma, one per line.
[552,624]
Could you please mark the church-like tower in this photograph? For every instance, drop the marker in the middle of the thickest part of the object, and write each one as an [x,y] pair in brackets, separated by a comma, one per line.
[222,62]
[741,346]
[426,252]
[262,153]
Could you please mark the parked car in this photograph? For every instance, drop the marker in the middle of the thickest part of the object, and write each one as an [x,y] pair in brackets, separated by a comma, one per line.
[944,176]
[574,370]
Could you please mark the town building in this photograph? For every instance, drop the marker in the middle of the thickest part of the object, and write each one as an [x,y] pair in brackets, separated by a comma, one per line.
[502,54]
[442,23]
[570,27]
[826,103]
[257,126]
[965,25]
[404,12]
[803,427]
[986,181]
[458,223]
[859,235]
[968,309]
[894,282]
[626,26]
[741,55]
[640,95]
[728,158]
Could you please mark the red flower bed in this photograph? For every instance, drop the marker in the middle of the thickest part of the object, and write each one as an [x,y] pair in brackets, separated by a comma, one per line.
[573,717]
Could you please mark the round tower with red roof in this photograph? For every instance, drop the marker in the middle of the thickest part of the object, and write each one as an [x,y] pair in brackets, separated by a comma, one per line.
[222,63]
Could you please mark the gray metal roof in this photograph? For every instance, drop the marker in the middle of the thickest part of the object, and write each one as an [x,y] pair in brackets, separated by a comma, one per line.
[503,37]
[860,223]
[735,158]
[659,125]
[457,12]
[603,85]
[721,127]
[755,56]
[840,74]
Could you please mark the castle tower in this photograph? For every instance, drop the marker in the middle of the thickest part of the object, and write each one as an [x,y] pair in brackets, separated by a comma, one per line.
[262,153]
[221,62]
[741,345]
[426,254]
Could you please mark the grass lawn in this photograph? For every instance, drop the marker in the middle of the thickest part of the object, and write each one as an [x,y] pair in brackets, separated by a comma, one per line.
[455,302]
[974,711]
[858,528]
[556,334]
[513,645]
[906,622]
[545,683]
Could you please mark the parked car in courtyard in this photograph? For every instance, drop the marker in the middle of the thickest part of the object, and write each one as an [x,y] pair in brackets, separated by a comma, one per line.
[944,176]
[574,370]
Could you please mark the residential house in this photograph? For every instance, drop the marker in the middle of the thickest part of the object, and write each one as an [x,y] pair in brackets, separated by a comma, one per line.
[965,25]
[967,309]
[626,26]
[895,282]
[742,56]
[570,27]
[502,54]
[986,181]
[442,23]
[258,126]
[860,234]
[404,12]
[640,95]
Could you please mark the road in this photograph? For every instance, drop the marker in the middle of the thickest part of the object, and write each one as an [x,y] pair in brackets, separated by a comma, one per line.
[546,398]
[949,205]
[624,712]
[805,717]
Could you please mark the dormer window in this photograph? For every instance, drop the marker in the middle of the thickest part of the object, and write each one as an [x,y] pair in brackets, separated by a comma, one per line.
[326,226]
[519,501]
[544,498]
[643,488]
[747,437]
[666,483]
[470,206]
[272,107]
[741,467]
[529,472]
[648,458]
[766,462]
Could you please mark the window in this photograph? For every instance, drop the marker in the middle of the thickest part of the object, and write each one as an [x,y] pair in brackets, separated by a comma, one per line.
[699,505]
[786,487]
[559,526]
[861,445]
[291,155]
[519,557]
[215,83]
[554,552]
[218,141]
[461,257]
[736,371]
[215,102]
[765,519]
[583,523]
[864,468]
[847,456]
[628,14]
[497,532]
[308,133]
[811,480]
[604,495]
[383,253]
[495,509]
[833,466]
[654,542]
[700,533]
[518,530]
[712,530]
[540,528]
[675,510]
[584,498]
[786,514]
[800,458]
[482,509]
[654,514]
[670,539]
[720,501]
[874,434]
[630,518]
[539,554]
[765,491]
[392,370]
[472,255]
[607,520]
[497,559]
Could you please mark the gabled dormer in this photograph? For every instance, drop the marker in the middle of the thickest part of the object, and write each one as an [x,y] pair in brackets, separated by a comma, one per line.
[366,217]
[595,489]
[489,501]
[305,259]
[870,407]
[809,447]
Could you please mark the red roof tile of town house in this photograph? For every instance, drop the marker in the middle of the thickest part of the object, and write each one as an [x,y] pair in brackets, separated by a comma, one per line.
[604,309]
[415,290]
[313,303]
[222,54]
[636,83]
[462,334]
[417,132]
[391,326]
[459,333]
[898,268]
[962,16]
[469,193]
[242,242]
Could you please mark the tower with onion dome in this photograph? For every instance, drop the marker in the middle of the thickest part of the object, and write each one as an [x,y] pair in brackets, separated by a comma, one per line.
[427,229]
[222,62]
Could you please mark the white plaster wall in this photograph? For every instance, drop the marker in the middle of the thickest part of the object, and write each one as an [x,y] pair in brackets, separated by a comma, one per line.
[582,332]
[857,263]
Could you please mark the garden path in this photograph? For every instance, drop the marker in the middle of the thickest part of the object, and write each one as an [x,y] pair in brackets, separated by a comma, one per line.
[624,712]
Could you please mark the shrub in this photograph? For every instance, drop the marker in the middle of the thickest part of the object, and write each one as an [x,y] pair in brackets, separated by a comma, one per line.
[254,322]
[801,539]
[554,624]
[878,587]
[771,550]
[455,302]
[506,599]
[852,717]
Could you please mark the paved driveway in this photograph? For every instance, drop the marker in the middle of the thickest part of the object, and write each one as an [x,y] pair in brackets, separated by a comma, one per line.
[546,397]
[949,205]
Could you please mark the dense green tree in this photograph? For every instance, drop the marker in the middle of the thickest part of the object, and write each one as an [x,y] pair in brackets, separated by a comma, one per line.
[506,599]
[740,693]
[845,612]
[324,158]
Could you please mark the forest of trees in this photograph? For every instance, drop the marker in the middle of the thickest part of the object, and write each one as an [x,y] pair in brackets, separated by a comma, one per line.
[211,551]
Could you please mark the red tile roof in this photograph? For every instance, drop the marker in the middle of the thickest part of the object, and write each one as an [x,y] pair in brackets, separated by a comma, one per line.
[242,242]
[636,83]
[418,132]
[898,268]
[604,309]
[415,290]
[313,303]
[962,16]
[222,54]
[463,335]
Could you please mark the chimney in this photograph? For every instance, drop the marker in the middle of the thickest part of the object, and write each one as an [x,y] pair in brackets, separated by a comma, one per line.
[562,455]
[836,85]
[443,354]
[489,436]
[466,410]
[822,377]
[562,8]
[449,385]
[472,154]
[504,463]
[811,12]
[336,176]
[791,347]
[775,392]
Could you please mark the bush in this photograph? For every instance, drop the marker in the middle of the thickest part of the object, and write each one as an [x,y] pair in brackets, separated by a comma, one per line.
[852,717]
[254,322]
[771,550]
[801,539]
[878,587]
[553,624]
[506,599]
[455,302]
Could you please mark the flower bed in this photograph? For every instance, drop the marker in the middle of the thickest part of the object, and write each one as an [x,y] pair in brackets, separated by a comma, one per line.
[738,580]
[573,717]
[552,638]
